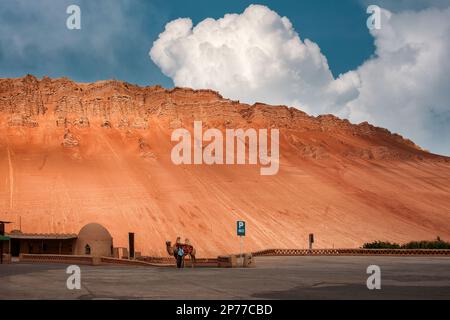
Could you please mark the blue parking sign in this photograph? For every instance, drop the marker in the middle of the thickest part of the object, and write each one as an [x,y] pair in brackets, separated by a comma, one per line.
[241,228]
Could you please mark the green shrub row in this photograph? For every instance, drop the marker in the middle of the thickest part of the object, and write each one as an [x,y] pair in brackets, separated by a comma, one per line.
[436,244]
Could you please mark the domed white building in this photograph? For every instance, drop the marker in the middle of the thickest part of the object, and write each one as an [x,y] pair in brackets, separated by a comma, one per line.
[94,240]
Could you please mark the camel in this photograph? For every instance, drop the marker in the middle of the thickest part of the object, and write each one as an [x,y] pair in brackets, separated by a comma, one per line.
[187,247]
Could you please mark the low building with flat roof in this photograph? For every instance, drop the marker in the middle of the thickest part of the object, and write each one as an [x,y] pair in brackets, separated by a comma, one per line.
[93,239]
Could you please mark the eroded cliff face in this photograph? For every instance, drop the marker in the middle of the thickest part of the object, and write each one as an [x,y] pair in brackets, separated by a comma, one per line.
[27,102]
[73,153]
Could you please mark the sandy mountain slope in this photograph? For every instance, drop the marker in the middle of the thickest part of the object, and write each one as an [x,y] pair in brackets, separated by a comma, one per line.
[73,153]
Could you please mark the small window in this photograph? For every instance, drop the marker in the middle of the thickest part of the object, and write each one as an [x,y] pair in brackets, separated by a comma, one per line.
[87,249]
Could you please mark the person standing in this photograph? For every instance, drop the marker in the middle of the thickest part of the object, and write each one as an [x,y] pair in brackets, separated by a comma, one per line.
[176,247]
[180,257]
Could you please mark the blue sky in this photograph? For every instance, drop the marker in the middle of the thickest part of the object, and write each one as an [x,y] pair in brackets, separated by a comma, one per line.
[338,27]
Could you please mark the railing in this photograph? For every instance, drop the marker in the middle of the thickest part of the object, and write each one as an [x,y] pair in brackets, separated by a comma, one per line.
[107,260]
[55,258]
[208,262]
[200,262]
[352,252]
[150,259]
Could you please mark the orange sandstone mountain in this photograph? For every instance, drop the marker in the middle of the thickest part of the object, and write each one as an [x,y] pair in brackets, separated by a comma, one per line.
[74,153]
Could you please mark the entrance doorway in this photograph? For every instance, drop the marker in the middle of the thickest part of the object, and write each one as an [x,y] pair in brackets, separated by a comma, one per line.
[15,247]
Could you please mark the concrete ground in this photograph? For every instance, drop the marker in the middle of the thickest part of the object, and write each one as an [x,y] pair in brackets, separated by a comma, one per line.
[273,278]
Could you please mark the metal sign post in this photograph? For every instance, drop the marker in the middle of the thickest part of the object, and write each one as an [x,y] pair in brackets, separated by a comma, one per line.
[311,241]
[240,230]
[131,245]
[240,251]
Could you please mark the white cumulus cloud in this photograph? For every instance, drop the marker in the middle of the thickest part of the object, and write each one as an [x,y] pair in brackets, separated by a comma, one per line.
[258,56]
[405,87]
[253,56]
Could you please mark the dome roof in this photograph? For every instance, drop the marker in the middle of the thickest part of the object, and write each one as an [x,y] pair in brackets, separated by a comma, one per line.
[94,231]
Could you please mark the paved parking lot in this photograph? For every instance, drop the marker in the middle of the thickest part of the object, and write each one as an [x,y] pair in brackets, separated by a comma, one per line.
[273,278]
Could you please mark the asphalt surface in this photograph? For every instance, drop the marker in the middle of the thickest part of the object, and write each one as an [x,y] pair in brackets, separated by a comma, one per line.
[272,278]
